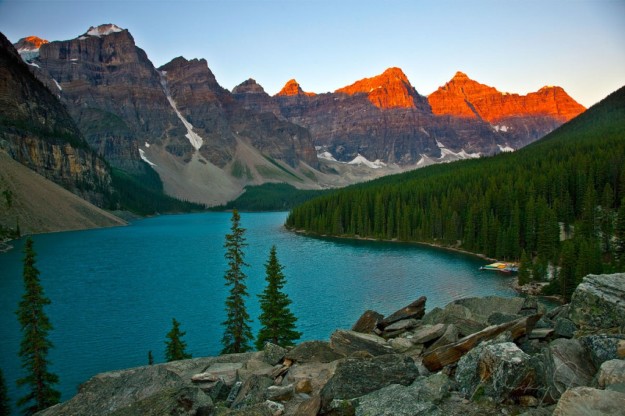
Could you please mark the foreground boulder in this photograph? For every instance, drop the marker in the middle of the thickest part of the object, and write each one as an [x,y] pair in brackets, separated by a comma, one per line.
[500,371]
[355,377]
[599,302]
[151,390]
[420,397]
[349,342]
[586,401]
[567,365]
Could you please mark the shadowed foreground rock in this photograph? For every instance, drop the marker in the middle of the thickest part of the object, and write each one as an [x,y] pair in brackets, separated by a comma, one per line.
[415,365]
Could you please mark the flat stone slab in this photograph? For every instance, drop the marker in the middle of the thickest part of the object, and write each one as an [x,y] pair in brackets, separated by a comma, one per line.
[349,342]
[428,333]
[403,325]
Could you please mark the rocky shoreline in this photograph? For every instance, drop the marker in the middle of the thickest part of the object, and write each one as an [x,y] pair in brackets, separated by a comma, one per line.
[475,356]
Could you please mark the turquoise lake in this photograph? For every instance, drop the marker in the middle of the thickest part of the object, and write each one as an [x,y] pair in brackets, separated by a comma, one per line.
[115,291]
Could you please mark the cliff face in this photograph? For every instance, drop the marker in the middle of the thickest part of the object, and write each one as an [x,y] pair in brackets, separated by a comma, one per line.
[380,118]
[391,89]
[176,119]
[520,118]
[112,91]
[37,131]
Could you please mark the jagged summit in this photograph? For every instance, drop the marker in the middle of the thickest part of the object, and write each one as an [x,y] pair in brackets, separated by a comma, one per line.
[29,44]
[291,88]
[103,30]
[249,86]
[391,89]
[464,97]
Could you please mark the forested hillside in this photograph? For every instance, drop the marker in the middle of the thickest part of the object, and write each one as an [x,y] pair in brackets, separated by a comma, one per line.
[558,202]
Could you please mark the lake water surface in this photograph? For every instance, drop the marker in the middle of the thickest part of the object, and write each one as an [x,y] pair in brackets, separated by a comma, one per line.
[115,291]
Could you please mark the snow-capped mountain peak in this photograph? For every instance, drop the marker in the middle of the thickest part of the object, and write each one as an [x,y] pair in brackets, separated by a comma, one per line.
[103,30]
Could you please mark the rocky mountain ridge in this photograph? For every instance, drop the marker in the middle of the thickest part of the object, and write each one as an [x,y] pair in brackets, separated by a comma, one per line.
[475,356]
[207,143]
[37,131]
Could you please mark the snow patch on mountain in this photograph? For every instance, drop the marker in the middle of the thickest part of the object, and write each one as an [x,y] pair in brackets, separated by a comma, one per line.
[326,155]
[501,128]
[144,158]
[103,30]
[505,148]
[57,84]
[195,140]
[451,155]
[361,160]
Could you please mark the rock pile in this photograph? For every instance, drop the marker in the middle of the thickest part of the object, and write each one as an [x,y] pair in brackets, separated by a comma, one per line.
[476,356]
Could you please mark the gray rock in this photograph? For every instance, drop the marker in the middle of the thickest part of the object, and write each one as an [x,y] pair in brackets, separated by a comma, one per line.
[564,328]
[449,337]
[604,347]
[280,393]
[586,401]
[112,391]
[313,351]
[482,307]
[277,409]
[567,365]
[561,311]
[367,322]
[348,342]
[500,318]
[611,372]
[252,391]
[339,407]
[498,370]
[353,378]
[599,302]
[433,388]
[393,400]
[403,325]
[234,392]
[530,306]
[186,401]
[428,333]
[415,310]
[401,344]
[273,354]
[455,314]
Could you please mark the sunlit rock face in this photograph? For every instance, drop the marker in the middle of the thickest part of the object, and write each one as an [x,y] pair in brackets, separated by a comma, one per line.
[391,89]
[523,118]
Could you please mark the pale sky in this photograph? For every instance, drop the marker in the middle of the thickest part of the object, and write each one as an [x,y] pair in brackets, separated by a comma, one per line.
[514,46]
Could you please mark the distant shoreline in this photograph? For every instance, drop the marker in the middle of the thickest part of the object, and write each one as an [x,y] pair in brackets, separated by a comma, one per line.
[520,290]
[358,238]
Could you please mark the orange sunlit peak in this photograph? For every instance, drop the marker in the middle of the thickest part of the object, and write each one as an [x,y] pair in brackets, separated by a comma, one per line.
[291,88]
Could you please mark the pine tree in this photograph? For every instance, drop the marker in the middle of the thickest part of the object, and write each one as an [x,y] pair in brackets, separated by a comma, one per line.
[175,345]
[619,236]
[150,358]
[35,345]
[277,321]
[524,269]
[5,409]
[238,333]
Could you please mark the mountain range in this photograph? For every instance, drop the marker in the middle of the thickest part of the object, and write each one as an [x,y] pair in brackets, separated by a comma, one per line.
[207,143]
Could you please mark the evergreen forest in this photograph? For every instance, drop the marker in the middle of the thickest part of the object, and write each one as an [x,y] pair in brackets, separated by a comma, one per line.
[557,205]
